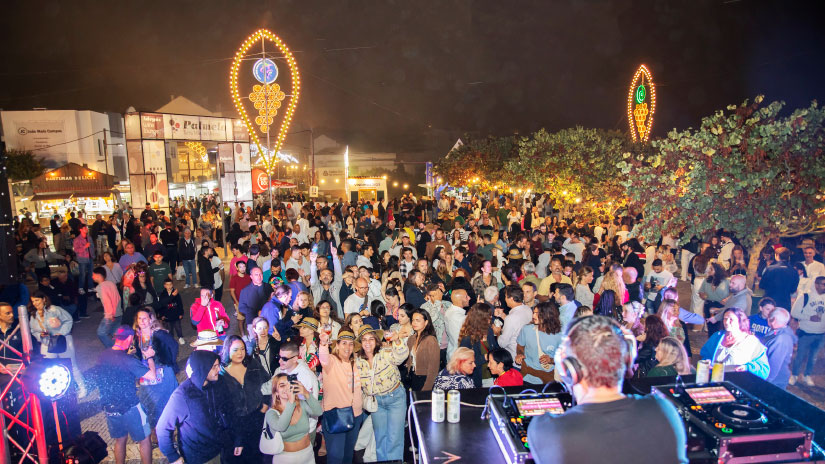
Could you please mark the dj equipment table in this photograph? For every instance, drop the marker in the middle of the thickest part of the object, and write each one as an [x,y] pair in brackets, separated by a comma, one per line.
[472,440]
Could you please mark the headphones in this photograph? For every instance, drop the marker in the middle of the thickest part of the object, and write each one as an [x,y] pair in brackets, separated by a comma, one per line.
[571,370]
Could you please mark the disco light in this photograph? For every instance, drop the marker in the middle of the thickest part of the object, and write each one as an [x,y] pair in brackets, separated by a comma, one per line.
[48,378]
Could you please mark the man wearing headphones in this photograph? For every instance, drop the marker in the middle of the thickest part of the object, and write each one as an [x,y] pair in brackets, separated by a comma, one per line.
[605,425]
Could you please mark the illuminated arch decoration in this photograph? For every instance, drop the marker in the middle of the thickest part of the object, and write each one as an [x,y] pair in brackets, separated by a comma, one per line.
[641,104]
[198,149]
[266,97]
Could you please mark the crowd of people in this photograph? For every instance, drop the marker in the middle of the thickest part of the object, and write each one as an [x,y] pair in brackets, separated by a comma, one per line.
[335,311]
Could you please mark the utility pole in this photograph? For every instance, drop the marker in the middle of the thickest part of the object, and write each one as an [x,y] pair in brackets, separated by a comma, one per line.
[106,150]
[312,155]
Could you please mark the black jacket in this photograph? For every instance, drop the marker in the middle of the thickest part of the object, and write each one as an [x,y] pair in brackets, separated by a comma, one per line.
[206,275]
[186,250]
[170,307]
[200,413]
[166,349]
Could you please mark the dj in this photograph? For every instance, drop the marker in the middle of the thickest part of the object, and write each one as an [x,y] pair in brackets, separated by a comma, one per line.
[605,425]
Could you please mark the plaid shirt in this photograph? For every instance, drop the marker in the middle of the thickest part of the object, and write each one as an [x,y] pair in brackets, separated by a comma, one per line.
[405,267]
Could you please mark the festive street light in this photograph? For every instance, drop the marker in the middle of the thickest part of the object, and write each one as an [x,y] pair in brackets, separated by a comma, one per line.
[641,104]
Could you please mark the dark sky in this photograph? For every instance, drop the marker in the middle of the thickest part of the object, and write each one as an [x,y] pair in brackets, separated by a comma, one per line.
[405,73]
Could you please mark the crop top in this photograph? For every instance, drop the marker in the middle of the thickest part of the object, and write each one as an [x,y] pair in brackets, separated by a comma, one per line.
[280,422]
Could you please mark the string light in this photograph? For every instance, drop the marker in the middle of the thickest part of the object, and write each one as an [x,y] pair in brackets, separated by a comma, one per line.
[266,115]
[639,111]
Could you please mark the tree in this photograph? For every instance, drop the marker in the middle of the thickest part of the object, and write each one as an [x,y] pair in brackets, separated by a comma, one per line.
[747,170]
[479,163]
[23,165]
[576,166]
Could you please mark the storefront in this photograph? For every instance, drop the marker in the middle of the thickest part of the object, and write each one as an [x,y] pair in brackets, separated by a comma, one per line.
[366,188]
[74,187]
[176,156]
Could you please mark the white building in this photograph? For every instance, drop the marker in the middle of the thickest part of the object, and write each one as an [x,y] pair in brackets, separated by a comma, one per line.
[69,136]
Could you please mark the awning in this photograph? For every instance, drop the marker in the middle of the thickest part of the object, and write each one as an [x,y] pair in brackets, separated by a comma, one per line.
[64,195]
[282,184]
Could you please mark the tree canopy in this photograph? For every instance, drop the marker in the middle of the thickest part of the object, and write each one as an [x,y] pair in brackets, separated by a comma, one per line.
[23,165]
[748,170]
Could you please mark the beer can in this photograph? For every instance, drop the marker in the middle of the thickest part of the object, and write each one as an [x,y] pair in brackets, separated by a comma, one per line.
[703,371]
[453,406]
[438,405]
[718,373]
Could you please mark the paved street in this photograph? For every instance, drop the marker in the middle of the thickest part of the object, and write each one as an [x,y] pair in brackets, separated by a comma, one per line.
[88,347]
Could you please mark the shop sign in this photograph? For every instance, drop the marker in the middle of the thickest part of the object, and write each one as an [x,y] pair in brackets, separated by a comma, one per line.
[151,125]
[213,129]
[181,127]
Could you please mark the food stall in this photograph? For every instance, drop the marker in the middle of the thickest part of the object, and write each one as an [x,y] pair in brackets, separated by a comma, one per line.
[74,187]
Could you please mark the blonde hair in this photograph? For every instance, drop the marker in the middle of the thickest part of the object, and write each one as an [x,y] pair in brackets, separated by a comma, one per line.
[613,281]
[460,355]
[674,354]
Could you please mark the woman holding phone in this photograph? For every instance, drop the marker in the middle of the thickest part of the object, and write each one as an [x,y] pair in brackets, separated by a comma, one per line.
[292,406]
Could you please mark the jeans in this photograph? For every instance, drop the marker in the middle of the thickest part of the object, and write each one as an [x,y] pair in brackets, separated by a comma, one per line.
[388,424]
[85,277]
[189,269]
[807,349]
[106,330]
[341,446]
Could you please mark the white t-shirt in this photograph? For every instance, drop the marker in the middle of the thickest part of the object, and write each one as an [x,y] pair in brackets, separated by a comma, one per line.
[660,278]
[216,263]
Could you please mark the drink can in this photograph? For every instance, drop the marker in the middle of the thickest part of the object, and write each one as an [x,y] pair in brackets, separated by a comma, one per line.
[438,406]
[703,371]
[453,406]
[718,373]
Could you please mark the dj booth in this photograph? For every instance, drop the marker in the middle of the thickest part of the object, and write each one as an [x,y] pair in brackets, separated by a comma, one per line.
[473,439]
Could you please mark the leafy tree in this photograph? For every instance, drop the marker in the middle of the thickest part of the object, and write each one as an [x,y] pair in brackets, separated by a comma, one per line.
[23,165]
[479,163]
[576,166]
[748,170]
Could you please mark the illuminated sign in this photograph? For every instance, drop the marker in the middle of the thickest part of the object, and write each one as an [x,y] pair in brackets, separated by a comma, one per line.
[266,97]
[641,104]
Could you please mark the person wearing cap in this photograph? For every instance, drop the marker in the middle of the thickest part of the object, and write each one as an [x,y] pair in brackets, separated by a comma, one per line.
[308,331]
[385,396]
[117,373]
[342,389]
[198,414]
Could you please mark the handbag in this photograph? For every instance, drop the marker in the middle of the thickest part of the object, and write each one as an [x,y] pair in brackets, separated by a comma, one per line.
[57,344]
[370,402]
[271,442]
[340,420]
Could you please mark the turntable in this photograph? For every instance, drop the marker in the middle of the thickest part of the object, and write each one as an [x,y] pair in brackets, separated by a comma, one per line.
[736,427]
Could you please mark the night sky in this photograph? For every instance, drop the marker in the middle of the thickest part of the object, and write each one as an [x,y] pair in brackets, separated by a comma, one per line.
[405,74]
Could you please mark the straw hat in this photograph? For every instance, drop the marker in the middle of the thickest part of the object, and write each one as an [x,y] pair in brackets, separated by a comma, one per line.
[348,335]
[366,328]
[206,337]
[514,253]
[310,323]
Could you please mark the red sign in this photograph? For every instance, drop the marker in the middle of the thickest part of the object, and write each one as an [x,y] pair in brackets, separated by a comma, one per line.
[260,181]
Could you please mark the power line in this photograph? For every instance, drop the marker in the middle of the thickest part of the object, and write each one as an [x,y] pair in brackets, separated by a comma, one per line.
[70,141]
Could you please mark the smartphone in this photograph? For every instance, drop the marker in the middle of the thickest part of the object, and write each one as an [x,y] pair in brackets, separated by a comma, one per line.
[292,378]
[315,248]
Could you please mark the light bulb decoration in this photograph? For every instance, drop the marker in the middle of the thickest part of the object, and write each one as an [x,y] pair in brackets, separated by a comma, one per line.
[641,104]
[198,149]
[266,97]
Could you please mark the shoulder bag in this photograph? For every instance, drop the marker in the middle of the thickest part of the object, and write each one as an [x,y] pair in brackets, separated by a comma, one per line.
[271,442]
[340,420]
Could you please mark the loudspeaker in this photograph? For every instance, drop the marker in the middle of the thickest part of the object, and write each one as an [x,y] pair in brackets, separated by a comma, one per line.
[8,250]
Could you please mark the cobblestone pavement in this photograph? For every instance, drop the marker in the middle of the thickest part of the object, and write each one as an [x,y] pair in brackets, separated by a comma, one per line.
[89,347]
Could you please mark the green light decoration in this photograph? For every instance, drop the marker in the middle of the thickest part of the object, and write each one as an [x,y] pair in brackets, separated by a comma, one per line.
[640,94]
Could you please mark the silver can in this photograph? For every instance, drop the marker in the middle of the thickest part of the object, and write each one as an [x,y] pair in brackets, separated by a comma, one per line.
[717,374]
[453,406]
[438,405]
[703,371]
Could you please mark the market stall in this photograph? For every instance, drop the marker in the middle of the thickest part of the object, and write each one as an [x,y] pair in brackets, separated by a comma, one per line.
[74,187]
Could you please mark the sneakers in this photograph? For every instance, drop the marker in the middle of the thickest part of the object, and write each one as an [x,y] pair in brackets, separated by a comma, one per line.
[808,381]
[792,380]
[180,341]
[186,286]
[81,291]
